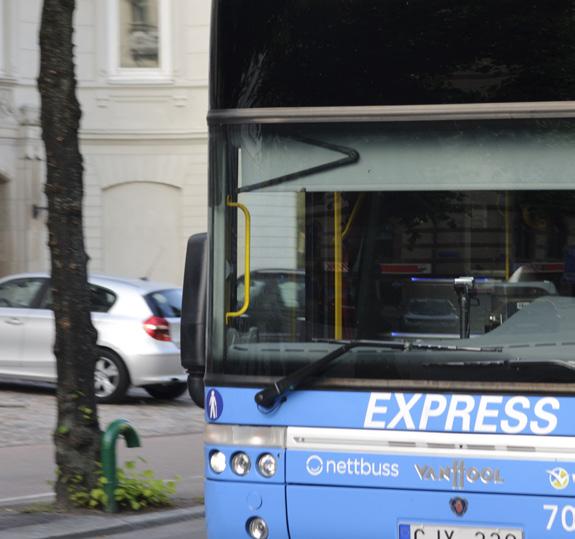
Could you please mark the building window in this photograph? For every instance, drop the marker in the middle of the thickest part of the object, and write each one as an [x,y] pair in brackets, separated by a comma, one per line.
[139,34]
[140,40]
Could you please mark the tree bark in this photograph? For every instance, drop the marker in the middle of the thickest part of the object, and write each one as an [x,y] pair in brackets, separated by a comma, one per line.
[77,433]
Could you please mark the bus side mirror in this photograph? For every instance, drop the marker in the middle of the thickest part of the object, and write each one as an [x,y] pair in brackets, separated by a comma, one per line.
[193,321]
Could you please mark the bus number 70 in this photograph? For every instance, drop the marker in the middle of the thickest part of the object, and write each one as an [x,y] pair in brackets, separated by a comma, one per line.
[567,516]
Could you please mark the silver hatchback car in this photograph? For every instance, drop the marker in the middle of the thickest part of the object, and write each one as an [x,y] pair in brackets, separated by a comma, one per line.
[138,325]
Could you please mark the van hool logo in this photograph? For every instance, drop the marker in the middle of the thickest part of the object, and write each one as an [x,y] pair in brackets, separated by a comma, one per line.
[459,475]
[316,465]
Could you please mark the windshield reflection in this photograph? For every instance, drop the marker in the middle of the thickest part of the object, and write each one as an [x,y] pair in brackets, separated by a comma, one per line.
[434,234]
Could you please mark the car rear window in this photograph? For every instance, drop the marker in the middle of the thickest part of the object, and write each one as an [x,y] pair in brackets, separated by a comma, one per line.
[166,303]
[292,293]
[101,299]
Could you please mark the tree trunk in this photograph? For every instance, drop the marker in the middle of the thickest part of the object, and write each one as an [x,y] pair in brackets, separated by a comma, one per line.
[77,433]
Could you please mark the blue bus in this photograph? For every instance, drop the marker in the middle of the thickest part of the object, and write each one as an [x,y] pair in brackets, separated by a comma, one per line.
[380,321]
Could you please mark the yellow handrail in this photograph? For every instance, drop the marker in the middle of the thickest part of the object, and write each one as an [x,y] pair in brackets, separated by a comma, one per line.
[353,214]
[507,239]
[248,220]
[338,261]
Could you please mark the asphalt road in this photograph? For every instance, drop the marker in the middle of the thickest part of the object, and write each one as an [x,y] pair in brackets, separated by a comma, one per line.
[28,414]
[27,471]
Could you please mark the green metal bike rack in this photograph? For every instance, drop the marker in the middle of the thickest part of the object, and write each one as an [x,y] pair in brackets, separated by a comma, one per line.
[117,428]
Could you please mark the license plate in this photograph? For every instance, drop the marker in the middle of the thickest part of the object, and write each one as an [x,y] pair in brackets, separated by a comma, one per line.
[432,531]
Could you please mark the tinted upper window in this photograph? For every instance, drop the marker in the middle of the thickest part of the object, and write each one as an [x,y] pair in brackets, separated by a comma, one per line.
[167,303]
[392,52]
[20,293]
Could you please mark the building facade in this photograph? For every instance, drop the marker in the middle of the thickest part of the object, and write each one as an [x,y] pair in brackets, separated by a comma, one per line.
[142,69]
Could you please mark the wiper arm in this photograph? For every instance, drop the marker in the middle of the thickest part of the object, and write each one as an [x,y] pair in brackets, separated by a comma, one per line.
[507,362]
[267,397]
[351,156]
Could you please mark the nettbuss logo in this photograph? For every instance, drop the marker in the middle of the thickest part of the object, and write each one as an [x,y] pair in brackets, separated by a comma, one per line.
[314,465]
[461,413]
[359,467]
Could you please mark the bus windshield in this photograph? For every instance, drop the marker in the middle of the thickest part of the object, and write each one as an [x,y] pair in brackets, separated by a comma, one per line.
[453,233]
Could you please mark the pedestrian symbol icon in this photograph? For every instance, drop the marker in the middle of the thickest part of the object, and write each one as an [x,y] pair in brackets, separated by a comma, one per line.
[215,405]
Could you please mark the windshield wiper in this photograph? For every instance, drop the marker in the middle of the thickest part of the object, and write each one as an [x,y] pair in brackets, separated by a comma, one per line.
[507,362]
[268,397]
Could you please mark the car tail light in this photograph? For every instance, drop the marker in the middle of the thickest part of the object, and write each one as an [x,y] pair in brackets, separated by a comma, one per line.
[158,328]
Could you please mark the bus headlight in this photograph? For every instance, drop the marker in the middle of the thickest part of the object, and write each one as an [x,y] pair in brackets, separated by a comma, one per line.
[241,464]
[217,462]
[257,528]
[267,465]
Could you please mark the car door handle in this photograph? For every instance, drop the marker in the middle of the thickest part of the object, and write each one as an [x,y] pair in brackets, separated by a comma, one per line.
[14,321]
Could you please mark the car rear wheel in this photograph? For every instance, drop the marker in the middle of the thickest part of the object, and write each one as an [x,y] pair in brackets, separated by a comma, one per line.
[167,392]
[111,380]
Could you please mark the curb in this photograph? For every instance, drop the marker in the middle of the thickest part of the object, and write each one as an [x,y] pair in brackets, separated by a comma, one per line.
[77,527]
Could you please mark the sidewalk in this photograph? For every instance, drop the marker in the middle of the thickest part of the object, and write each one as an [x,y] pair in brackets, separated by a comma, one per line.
[15,523]
[25,471]
[172,445]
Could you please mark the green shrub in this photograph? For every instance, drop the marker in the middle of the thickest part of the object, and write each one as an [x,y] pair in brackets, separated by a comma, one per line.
[136,490]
